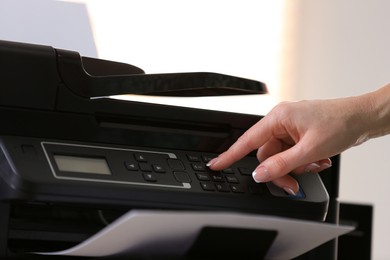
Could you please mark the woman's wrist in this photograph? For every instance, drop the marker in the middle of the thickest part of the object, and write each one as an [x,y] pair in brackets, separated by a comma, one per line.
[376,106]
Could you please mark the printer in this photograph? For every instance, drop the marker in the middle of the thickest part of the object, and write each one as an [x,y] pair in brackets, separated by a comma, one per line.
[72,159]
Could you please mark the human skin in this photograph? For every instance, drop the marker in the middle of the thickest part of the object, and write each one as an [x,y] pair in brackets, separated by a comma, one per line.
[300,137]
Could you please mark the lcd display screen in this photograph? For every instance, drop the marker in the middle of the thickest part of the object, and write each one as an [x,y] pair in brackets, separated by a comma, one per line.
[68,163]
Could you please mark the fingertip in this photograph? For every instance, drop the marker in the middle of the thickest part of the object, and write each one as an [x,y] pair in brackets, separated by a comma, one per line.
[290,191]
[217,163]
[312,167]
[225,159]
[288,184]
[325,165]
[326,161]
[274,167]
[261,174]
[212,162]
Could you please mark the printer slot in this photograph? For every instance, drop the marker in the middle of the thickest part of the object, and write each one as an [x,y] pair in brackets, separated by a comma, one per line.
[166,126]
[44,227]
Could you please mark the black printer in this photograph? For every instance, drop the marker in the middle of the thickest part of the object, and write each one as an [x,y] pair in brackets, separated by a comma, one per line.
[72,159]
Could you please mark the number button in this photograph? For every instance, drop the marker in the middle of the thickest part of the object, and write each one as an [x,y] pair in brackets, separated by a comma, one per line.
[198,167]
[208,186]
[222,187]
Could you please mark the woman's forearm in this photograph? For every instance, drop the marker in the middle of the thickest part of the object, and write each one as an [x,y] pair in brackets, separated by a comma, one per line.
[377,114]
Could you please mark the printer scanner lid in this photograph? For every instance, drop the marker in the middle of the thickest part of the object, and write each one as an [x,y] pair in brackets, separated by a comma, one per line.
[31,73]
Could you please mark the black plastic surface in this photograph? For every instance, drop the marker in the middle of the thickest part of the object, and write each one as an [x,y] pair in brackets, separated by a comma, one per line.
[232,243]
[169,84]
[28,75]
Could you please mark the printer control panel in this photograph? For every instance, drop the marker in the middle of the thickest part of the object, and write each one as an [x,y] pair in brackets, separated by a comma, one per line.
[154,168]
[143,177]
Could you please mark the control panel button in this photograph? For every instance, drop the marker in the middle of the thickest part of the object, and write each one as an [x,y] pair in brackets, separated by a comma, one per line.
[149,177]
[140,157]
[202,176]
[198,167]
[217,177]
[236,188]
[145,167]
[245,171]
[182,177]
[158,168]
[193,158]
[131,166]
[176,164]
[228,171]
[231,179]
[207,158]
[222,187]
[208,186]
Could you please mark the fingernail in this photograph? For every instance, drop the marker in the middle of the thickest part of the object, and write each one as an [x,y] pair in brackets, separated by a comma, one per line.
[261,174]
[289,191]
[325,166]
[313,167]
[212,162]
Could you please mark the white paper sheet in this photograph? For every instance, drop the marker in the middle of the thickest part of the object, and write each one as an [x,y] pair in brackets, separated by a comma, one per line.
[151,232]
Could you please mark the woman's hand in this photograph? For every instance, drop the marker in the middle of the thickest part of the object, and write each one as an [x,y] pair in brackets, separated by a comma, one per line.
[300,137]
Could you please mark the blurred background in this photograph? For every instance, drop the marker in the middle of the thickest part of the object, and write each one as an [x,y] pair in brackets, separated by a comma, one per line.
[301,49]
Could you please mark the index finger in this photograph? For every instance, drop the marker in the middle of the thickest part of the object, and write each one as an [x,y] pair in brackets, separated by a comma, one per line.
[252,139]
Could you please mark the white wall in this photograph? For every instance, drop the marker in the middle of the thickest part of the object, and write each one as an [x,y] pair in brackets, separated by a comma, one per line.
[340,48]
[225,36]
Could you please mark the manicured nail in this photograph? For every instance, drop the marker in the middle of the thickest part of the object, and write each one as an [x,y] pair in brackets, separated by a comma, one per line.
[313,167]
[325,165]
[261,174]
[212,162]
[289,191]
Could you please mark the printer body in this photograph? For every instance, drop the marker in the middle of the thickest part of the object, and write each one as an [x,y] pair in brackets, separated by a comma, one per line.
[72,159]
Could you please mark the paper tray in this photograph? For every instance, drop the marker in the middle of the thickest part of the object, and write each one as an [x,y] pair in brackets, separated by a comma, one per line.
[172,233]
